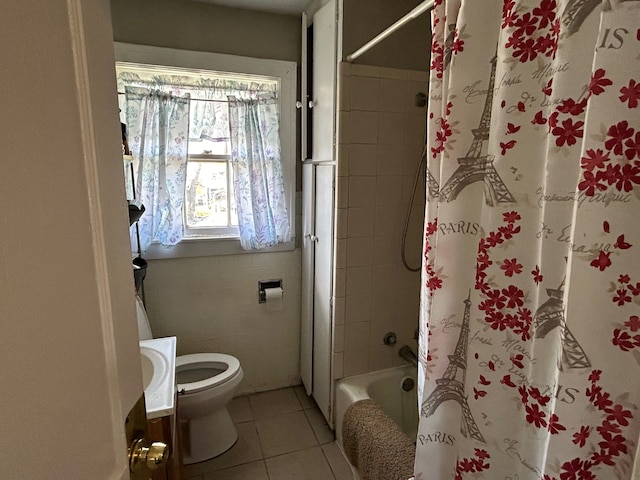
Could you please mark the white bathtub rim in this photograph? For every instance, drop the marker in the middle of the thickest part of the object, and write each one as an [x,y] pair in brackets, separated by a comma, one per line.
[354,388]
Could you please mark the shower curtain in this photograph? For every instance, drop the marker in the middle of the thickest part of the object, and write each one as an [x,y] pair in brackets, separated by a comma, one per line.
[530,304]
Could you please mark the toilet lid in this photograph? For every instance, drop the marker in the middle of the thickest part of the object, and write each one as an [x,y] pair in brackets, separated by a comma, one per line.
[207,369]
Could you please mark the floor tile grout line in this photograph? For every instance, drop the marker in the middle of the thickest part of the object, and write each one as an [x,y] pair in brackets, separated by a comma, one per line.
[305,408]
[295,395]
[298,450]
[324,454]
[255,426]
[261,460]
[264,460]
[313,430]
[266,457]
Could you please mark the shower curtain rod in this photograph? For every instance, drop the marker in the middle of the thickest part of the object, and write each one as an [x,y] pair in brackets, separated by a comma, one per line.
[416,12]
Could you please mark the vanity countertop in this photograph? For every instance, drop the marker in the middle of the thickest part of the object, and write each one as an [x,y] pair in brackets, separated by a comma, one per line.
[158,358]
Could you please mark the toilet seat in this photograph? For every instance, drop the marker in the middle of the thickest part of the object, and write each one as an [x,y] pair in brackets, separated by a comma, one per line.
[229,365]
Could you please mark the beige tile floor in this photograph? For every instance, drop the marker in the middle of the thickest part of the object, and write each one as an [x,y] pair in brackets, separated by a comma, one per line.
[282,435]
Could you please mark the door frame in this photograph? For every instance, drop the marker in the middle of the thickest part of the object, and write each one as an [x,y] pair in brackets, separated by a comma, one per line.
[70,355]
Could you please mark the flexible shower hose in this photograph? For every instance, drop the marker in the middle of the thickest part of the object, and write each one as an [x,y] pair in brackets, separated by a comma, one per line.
[423,160]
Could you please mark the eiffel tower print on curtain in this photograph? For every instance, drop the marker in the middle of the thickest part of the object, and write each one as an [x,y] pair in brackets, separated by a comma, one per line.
[477,166]
[549,316]
[451,385]
[432,185]
[576,12]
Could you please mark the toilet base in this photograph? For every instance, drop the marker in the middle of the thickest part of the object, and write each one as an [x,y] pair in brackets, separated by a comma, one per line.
[206,437]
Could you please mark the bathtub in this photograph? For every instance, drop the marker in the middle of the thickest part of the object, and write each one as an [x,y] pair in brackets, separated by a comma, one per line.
[385,387]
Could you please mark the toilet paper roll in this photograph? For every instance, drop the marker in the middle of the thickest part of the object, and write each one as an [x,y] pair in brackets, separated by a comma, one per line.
[274,299]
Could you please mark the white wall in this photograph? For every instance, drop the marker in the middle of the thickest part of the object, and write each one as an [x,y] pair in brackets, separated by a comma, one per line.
[201,26]
[211,305]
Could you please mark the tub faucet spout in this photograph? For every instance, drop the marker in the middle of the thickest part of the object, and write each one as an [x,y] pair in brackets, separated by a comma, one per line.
[406,353]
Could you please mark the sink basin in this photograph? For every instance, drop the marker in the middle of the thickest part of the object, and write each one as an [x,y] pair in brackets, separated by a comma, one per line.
[157,359]
[154,368]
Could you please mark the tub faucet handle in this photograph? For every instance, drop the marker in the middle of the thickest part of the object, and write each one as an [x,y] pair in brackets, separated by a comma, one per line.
[390,339]
[407,354]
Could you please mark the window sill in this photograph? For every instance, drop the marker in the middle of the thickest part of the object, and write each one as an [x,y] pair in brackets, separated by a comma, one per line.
[198,247]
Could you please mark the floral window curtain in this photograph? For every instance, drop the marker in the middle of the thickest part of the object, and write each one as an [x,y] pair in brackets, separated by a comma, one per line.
[257,169]
[158,125]
[208,119]
[530,306]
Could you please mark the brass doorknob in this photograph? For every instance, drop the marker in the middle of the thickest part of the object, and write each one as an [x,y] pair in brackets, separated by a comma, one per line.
[141,456]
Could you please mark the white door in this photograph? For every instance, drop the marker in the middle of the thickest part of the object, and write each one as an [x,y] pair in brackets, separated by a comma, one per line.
[317,282]
[318,214]
[308,261]
[69,357]
[324,82]
[323,289]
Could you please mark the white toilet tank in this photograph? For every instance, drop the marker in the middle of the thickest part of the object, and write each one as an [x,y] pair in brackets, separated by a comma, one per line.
[144,329]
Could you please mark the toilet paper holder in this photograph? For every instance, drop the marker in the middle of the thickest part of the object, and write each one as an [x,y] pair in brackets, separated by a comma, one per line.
[266,284]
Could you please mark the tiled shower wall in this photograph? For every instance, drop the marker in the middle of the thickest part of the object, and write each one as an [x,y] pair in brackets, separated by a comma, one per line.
[381,134]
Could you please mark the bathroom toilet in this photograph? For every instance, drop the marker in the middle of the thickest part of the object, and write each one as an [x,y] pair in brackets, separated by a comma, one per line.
[206,384]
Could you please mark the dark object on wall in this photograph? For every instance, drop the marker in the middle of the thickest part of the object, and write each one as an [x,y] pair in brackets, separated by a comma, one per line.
[139,272]
[136,209]
[125,142]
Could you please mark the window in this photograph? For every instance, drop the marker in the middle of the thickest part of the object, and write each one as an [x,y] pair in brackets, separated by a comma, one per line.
[210,211]
[210,208]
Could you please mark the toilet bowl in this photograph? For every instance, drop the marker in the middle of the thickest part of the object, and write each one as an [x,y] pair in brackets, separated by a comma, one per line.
[206,382]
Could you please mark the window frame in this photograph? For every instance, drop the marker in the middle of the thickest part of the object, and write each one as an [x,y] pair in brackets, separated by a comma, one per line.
[286,73]
[220,232]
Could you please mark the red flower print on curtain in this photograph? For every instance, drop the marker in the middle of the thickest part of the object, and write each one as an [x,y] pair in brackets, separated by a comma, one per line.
[531,274]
